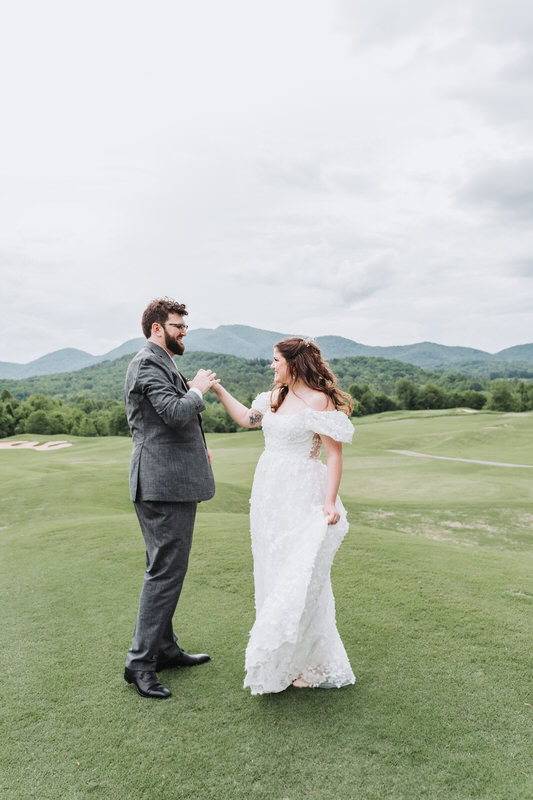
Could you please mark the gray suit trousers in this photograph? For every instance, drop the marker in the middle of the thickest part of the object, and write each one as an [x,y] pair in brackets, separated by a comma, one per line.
[167,529]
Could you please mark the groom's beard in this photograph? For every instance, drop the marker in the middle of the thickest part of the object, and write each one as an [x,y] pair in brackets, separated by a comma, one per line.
[174,345]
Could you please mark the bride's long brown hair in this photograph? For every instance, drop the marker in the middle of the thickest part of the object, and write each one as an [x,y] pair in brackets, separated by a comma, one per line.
[305,363]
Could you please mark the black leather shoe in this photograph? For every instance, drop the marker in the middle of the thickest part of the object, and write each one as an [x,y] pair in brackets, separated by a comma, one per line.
[182,659]
[147,684]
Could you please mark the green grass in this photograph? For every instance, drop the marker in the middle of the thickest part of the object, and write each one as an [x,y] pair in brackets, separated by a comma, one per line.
[434,591]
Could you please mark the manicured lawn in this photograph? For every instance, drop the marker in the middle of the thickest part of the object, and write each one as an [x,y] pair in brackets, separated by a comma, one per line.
[434,590]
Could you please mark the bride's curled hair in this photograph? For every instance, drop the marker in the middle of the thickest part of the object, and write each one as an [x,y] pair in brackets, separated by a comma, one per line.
[305,363]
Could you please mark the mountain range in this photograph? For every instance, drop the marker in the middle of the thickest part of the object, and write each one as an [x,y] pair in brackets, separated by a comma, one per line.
[249,342]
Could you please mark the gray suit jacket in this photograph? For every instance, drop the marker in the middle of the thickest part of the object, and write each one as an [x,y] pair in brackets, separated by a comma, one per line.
[169,459]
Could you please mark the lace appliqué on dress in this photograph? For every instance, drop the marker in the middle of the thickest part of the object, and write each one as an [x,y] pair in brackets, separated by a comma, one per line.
[316,446]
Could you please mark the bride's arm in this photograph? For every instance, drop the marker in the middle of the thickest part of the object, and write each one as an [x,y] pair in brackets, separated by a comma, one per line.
[334,464]
[246,417]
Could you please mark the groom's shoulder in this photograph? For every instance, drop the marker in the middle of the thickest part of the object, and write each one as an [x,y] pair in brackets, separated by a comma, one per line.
[147,354]
[140,354]
[146,361]
[139,358]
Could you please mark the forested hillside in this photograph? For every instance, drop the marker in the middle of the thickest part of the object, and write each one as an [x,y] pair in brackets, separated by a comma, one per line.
[89,402]
[106,380]
[242,377]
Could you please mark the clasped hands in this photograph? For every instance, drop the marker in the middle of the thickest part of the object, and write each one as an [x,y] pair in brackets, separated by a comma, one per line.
[205,379]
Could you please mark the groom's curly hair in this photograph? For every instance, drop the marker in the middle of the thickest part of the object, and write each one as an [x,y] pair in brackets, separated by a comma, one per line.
[158,311]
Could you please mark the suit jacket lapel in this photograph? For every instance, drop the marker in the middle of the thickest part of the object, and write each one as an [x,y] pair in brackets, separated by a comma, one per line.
[165,357]
[186,388]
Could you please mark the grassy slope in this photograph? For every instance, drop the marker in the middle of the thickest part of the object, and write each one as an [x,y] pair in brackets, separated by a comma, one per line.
[434,598]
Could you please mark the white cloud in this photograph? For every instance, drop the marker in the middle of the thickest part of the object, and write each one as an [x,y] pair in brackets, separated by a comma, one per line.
[506,186]
[481,20]
[330,168]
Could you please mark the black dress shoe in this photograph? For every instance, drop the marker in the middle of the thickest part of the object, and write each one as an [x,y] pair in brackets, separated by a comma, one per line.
[147,684]
[182,659]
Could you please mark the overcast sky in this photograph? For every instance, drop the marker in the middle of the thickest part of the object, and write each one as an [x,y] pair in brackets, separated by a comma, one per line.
[329,167]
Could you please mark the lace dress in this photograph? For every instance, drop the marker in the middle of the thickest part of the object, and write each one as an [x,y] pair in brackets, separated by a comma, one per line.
[294,634]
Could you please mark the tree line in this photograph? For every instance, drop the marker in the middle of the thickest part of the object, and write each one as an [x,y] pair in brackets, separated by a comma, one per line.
[87,416]
[502,395]
[52,415]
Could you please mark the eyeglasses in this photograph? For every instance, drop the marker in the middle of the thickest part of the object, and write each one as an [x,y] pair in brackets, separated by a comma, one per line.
[180,326]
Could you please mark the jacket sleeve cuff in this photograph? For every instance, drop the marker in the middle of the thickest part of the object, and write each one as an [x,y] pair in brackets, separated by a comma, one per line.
[199,402]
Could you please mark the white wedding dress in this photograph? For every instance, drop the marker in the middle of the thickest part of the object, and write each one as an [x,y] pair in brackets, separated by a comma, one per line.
[294,634]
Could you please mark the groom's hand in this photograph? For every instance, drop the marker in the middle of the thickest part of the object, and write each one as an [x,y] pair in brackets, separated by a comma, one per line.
[204,380]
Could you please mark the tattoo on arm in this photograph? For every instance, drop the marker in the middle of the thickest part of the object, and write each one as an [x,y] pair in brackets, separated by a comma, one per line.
[255,417]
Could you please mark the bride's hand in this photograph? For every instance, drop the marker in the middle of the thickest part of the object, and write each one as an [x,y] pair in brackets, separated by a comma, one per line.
[331,513]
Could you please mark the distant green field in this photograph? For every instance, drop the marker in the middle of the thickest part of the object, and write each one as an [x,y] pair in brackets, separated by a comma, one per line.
[434,591]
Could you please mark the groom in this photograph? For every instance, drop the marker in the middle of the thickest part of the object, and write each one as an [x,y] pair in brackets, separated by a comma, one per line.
[170,472]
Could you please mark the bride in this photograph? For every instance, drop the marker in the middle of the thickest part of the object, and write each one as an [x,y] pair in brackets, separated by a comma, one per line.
[297,522]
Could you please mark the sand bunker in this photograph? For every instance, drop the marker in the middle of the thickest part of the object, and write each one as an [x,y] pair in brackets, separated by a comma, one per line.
[24,445]
[466,460]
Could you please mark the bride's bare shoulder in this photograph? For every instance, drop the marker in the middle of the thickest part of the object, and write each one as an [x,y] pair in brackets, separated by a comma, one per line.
[319,401]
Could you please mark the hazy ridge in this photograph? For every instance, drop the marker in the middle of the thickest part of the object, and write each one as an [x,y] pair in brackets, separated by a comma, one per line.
[248,342]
